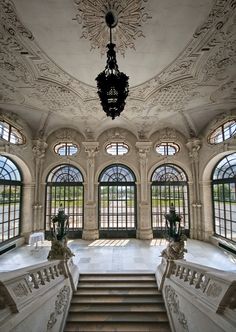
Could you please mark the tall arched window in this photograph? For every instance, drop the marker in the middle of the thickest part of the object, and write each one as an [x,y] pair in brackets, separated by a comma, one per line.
[169,186]
[117,202]
[224,197]
[65,189]
[10,199]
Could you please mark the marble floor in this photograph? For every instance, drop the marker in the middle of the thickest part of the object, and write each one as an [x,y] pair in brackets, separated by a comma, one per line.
[118,255]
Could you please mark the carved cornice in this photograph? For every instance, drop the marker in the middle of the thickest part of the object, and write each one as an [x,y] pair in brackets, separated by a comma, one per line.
[131,15]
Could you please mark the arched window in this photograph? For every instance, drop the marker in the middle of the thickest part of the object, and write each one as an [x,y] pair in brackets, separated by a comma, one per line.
[169,186]
[224,197]
[10,133]
[10,199]
[117,202]
[66,149]
[223,132]
[65,189]
[117,148]
[167,148]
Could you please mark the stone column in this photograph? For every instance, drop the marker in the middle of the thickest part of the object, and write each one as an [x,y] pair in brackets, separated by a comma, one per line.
[194,146]
[207,223]
[90,231]
[144,230]
[26,215]
[39,148]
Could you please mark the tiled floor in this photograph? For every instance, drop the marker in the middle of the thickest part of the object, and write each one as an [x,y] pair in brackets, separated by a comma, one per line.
[124,255]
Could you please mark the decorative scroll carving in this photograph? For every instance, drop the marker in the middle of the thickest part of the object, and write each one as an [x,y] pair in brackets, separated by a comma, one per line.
[173,304]
[10,20]
[131,15]
[60,306]
[216,17]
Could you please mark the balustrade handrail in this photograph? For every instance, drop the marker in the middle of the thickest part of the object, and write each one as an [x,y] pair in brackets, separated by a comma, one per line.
[8,275]
[19,287]
[214,287]
[225,275]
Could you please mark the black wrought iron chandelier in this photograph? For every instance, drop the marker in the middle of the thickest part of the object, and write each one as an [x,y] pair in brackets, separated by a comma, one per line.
[113,86]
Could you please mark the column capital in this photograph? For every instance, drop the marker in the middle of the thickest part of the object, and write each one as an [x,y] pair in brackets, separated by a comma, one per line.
[143,146]
[91,148]
[39,148]
[194,146]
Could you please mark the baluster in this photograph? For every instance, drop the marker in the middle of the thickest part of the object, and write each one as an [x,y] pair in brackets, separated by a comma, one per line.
[51,272]
[56,270]
[198,283]
[177,270]
[40,277]
[182,272]
[188,271]
[193,278]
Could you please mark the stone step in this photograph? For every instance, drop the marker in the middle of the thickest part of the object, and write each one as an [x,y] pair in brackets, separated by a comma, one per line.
[117,291]
[117,327]
[117,317]
[116,284]
[117,307]
[116,298]
[117,277]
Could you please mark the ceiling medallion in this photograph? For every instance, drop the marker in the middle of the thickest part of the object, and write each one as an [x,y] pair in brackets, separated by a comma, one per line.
[130,15]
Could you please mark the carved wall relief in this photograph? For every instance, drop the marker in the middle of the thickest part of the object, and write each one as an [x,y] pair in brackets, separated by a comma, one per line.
[60,306]
[173,305]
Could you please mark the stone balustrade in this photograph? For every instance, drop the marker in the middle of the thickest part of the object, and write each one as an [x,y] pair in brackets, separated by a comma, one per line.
[214,287]
[32,292]
[197,298]
[20,287]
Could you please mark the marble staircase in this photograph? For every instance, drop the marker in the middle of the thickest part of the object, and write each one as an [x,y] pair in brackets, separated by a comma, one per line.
[117,302]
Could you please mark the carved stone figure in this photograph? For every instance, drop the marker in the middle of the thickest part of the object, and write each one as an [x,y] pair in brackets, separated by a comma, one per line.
[59,231]
[175,248]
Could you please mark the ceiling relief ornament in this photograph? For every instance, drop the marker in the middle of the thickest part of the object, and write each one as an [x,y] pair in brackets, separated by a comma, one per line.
[10,21]
[54,96]
[210,53]
[131,15]
[24,66]
[225,91]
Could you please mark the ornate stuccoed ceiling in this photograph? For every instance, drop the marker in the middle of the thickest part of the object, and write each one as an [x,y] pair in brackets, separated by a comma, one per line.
[180,56]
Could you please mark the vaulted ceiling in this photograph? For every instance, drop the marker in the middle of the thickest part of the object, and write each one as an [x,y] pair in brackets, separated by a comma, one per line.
[180,56]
